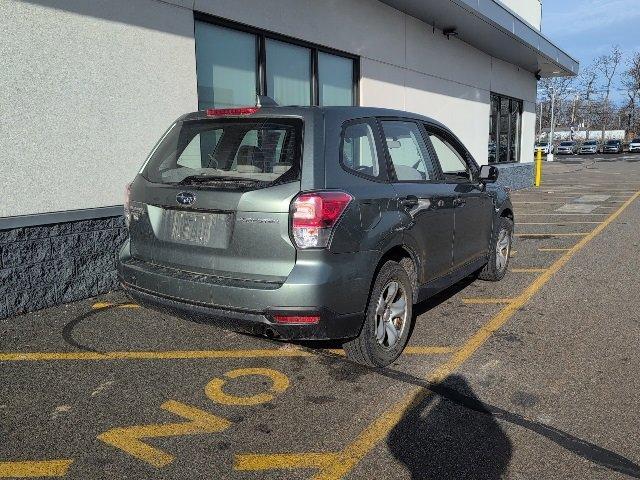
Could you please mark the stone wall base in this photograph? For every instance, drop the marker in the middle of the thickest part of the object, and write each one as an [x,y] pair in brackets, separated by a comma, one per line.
[48,265]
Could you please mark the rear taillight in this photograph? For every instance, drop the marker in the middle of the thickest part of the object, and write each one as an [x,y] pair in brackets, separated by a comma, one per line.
[127,203]
[223,112]
[313,216]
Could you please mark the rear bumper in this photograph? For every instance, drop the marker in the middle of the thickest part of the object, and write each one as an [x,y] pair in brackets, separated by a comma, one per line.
[336,287]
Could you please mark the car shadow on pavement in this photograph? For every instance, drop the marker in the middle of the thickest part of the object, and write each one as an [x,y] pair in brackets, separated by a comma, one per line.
[443,438]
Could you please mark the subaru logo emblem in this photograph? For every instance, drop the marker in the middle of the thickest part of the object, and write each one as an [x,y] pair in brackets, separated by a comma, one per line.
[186,198]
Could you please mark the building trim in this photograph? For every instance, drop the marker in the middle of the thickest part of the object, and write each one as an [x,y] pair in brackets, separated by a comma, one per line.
[7,223]
[495,29]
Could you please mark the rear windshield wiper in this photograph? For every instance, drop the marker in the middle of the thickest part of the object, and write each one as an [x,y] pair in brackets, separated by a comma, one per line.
[214,178]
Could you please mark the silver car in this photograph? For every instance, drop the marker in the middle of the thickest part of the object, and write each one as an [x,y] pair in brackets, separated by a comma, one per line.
[590,147]
[567,148]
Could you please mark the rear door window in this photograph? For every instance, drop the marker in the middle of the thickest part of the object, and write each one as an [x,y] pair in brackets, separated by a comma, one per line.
[407,151]
[242,153]
[358,151]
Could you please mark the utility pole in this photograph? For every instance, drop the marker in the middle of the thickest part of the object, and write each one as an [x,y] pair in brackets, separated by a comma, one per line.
[553,120]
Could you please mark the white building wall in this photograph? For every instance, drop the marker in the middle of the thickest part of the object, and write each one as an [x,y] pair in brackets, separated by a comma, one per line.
[84,98]
[96,84]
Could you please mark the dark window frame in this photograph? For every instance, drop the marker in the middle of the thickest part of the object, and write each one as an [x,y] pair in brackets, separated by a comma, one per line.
[261,55]
[494,121]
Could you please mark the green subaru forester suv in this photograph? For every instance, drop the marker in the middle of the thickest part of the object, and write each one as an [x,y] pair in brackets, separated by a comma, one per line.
[311,223]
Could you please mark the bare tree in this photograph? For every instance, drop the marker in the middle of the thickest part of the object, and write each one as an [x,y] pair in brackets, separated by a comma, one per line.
[631,84]
[608,65]
[588,82]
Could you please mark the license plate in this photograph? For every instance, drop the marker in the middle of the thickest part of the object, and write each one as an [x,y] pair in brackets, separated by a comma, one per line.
[194,228]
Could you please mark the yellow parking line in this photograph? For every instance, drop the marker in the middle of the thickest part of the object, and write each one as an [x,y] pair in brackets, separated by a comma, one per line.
[32,469]
[191,354]
[559,223]
[153,355]
[101,305]
[551,234]
[528,270]
[480,301]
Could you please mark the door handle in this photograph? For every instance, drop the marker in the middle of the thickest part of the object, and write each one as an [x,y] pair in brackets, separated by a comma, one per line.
[409,201]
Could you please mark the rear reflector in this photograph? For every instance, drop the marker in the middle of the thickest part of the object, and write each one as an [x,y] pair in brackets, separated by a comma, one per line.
[221,112]
[297,319]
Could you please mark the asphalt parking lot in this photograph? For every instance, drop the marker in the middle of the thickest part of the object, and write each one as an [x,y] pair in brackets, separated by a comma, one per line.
[537,376]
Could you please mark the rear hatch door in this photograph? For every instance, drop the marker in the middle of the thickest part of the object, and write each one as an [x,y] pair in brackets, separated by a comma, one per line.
[214,198]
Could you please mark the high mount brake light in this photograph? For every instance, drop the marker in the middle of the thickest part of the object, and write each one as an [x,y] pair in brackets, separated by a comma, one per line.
[314,215]
[222,112]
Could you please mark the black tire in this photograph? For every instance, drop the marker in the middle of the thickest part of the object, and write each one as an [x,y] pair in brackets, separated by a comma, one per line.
[493,271]
[365,348]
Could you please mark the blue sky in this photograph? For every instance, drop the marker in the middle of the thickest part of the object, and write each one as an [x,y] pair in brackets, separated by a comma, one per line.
[587,29]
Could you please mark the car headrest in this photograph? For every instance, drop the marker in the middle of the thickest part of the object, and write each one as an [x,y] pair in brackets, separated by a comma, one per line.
[249,155]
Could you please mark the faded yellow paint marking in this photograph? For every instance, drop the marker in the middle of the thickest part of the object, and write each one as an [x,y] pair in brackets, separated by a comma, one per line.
[416,350]
[481,301]
[573,234]
[34,469]
[279,383]
[188,354]
[559,223]
[528,270]
[101,305]
[284,461]
[428,350]
[377,431]
[152,355]
[129,439]
[554,249]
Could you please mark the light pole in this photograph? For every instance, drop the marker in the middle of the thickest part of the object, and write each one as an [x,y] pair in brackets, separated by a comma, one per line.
[553,121]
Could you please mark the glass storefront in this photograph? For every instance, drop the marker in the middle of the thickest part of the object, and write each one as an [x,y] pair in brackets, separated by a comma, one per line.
[505,126]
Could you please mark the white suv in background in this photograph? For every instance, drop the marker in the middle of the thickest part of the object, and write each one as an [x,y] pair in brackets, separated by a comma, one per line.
[634,145]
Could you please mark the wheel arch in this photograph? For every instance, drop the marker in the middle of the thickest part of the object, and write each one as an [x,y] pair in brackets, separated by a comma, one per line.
[405,256]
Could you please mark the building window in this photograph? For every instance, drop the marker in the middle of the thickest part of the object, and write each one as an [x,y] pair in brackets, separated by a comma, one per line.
[226,66]
[505,125]
[234,63]
[288,70]
[335,80]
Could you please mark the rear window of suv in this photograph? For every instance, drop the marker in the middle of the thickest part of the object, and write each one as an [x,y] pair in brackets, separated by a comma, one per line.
[228,153]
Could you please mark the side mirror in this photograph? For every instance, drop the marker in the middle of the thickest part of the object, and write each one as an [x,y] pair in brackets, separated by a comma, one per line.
[489,173]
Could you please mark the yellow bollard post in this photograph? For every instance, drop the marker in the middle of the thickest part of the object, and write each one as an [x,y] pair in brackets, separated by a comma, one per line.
[538,178]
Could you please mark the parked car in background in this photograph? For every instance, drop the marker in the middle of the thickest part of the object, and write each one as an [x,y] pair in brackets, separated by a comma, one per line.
[245,217]
[590,147]
[567,148]
[634,145]
[613,146]
[544,146]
